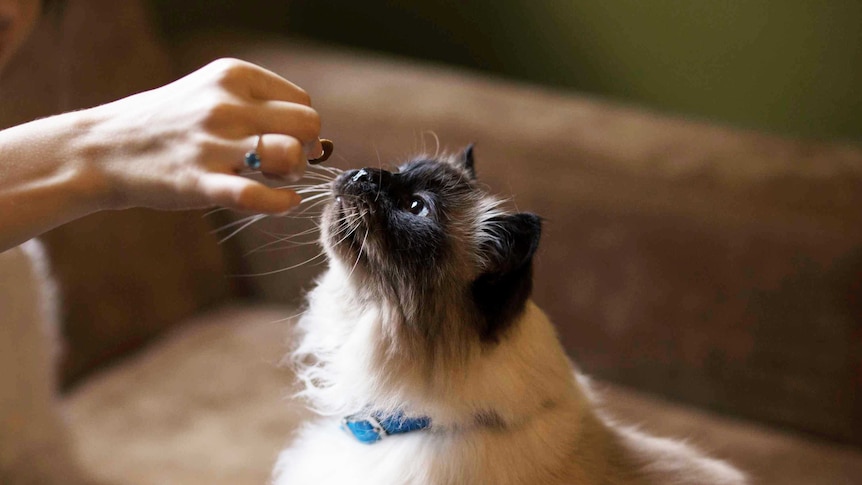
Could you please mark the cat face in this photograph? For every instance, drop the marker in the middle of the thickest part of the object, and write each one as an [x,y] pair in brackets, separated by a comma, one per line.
[428,239]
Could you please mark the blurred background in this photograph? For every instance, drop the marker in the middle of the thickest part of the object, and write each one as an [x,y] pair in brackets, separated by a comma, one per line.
[786,66]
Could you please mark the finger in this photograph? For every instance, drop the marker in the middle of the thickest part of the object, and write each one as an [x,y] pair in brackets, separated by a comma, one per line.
[314,150]
[267,85]
[291,119]
[326,152]
[280,155]
[240,193]
[256,82]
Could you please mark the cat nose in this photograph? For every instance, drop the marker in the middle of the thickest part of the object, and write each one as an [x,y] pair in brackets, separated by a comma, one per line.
[361,175]
[367,177]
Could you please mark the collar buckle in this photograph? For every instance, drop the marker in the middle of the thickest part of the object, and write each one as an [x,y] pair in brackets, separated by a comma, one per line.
[372,428]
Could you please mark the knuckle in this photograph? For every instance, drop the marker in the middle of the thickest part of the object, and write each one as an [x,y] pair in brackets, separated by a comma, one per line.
[292,150]
[312,122]
[220,112]
[227,71]
[191,190]
[245,199]
[285,151]
[303,96]
[202,148]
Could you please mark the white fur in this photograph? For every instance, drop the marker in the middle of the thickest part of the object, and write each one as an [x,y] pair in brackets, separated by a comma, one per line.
[34,447]
[553,433]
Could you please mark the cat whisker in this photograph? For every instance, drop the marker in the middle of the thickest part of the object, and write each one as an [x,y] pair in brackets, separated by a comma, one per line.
[319,177]
[270,247]
[289,240]
[315,205]
[379,160]
[345,223]
[293,235]
[281,270]
[322,183]
[321,172]
[277,235]
[291,317]
[347,233]
[313,191]
[302,217]
[329,169]
[436,143]
[214,211]
[236,223]
[326,190]
[242,227]
[315,197]
[359,252]
[304,186]
[379,187]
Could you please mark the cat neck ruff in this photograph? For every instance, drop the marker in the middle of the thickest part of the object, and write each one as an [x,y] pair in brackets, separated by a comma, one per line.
[373,428]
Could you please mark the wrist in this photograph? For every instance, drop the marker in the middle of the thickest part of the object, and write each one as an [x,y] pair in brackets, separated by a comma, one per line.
[85,152]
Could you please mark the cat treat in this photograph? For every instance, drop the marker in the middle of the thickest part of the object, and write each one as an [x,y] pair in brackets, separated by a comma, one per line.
[328,147]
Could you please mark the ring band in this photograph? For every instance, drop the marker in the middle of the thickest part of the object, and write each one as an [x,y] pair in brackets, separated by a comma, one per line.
[252,159]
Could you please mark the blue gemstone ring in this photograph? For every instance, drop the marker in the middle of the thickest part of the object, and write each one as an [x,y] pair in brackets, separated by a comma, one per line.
[252,159]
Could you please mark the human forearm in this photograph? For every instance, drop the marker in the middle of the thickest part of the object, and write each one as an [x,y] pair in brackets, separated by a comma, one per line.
[45,180]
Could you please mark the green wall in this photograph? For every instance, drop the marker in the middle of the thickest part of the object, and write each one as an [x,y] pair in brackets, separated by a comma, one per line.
[791,66]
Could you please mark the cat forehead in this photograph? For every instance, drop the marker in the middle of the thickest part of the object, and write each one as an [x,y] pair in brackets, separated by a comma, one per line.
[433,172]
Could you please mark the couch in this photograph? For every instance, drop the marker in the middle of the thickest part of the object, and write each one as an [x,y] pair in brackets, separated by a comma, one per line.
[707,277]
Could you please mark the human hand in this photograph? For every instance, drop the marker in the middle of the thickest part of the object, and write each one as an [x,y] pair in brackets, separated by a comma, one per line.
[182,145]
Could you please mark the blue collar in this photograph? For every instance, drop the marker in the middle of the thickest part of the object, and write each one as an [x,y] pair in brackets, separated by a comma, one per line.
[373,428]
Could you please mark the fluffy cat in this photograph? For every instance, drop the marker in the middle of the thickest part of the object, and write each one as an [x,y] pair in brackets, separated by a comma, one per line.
[423,322]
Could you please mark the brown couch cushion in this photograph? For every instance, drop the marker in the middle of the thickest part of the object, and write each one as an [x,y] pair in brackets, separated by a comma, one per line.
[125,276]
[208,405]
[715,266]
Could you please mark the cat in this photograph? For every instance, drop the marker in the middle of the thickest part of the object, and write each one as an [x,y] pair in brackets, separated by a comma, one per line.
[35,446]
[428,362]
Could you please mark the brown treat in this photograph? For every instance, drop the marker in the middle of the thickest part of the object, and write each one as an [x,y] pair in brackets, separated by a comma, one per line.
[328,147]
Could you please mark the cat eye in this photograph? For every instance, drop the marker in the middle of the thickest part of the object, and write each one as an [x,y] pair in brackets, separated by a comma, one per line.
[417,206]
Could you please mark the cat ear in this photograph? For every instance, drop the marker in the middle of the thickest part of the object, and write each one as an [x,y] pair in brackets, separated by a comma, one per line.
[467,160]
[501,292]
[513,242]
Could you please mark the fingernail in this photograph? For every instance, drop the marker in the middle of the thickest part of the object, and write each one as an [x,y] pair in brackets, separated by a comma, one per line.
[328,148]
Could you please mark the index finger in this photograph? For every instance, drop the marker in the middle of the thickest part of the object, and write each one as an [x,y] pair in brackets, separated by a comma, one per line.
[255,82]
[267,85]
